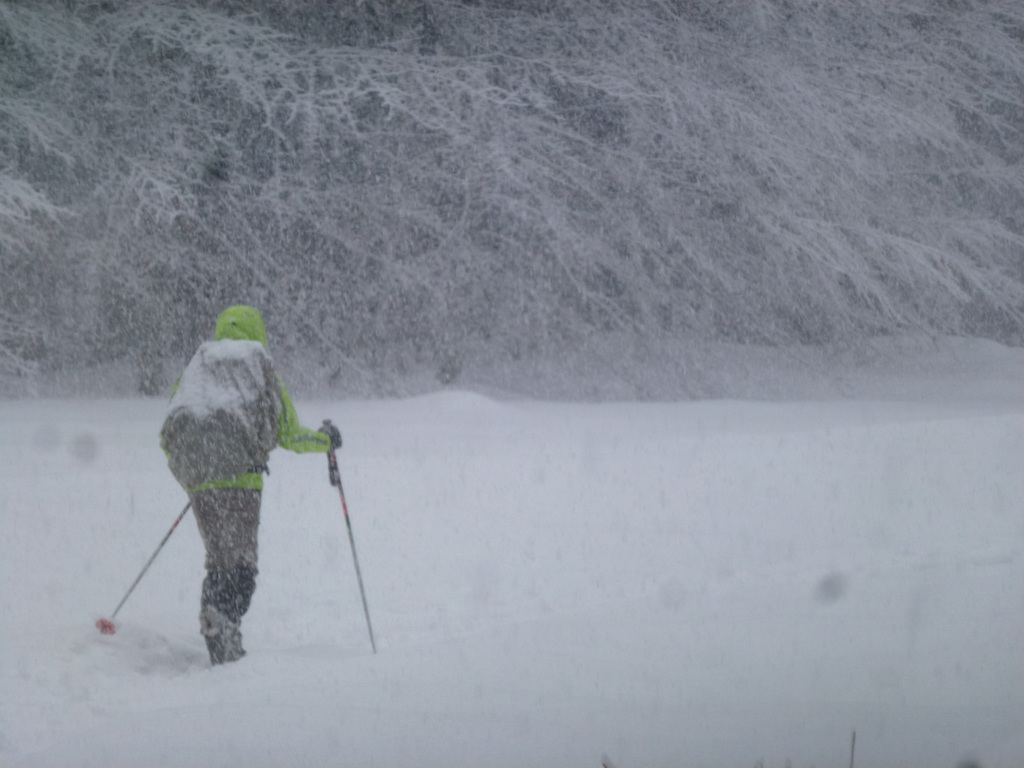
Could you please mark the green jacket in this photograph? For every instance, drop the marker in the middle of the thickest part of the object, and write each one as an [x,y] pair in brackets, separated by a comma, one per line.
[246,324]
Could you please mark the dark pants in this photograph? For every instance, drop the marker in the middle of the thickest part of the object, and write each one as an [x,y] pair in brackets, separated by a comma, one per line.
[228,520]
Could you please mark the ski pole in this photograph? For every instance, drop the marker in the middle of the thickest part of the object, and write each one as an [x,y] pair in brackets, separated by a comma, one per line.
[335,475]
[106,626]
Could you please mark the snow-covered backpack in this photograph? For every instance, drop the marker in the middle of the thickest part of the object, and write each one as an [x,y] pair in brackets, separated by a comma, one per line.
[222,419]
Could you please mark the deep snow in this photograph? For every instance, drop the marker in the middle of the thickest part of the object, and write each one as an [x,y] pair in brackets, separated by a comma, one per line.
[709,583]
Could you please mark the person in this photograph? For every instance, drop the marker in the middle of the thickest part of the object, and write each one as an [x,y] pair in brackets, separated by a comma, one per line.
[228,410]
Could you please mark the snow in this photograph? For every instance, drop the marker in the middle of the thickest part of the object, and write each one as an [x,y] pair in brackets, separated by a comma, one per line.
[434,193]
[708,583]
[202,392]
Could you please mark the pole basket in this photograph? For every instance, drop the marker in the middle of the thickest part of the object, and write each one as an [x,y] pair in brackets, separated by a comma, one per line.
[105,626]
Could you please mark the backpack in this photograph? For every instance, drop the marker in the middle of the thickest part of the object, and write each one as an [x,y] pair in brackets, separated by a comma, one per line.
[222,419]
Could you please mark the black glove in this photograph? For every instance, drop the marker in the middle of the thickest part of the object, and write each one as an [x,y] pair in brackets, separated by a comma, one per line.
[332,432]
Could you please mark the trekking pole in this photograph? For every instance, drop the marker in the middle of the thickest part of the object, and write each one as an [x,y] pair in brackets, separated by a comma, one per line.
[335,475]
[106,626]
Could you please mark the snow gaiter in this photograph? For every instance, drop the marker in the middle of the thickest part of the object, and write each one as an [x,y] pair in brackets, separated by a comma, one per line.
[226,596]
[229,592]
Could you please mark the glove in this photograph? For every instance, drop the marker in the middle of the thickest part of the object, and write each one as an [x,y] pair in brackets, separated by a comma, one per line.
[332,432]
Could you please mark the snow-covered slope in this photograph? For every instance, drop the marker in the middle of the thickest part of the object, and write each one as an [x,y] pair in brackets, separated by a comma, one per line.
[697,584]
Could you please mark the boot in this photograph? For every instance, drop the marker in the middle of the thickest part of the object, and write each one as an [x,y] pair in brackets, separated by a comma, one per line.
[225,599]
[223,638]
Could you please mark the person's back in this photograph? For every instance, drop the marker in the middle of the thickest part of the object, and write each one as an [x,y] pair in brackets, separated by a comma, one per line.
[228,411]
[222,419]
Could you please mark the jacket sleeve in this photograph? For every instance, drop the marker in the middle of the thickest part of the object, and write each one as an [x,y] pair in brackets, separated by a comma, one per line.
[293,436]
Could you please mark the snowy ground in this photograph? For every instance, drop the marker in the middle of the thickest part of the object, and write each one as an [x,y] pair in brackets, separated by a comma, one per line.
[713,583]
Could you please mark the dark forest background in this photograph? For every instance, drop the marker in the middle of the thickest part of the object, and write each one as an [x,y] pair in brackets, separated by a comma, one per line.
[416,192]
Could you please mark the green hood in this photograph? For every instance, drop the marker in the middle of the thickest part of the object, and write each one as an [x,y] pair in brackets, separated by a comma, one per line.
[241,323]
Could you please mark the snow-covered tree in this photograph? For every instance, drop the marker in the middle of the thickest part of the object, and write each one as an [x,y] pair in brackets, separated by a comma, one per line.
[416,185]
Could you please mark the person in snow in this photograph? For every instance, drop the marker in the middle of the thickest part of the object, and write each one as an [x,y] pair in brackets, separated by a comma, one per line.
[227,412]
